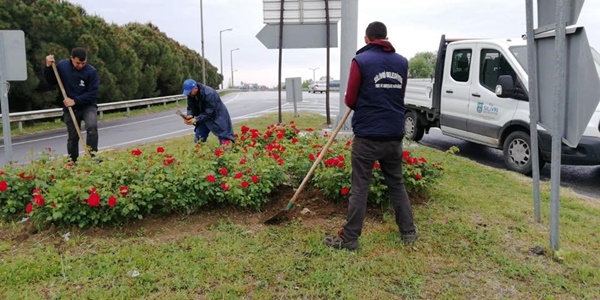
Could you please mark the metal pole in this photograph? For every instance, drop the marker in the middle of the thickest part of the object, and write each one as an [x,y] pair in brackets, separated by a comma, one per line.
[534,117]
[327,112]
[280,58]
[8,153]
[221,51]
[202,44]
[231,57]
[348,48]
[560,77]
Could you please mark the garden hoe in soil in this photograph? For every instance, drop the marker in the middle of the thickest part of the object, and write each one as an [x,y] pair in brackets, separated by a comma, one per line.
[282,214]
[75,123]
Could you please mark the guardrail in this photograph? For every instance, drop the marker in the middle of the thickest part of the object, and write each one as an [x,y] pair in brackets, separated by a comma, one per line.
[20,117]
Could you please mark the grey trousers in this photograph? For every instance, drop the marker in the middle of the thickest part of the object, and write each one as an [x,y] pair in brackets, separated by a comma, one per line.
[364,154]
[89,115]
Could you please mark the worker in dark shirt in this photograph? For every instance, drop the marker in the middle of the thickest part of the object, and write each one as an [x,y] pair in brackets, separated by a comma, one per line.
[80,81]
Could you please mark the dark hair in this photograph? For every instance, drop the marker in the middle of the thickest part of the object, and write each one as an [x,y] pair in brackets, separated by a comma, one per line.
[376,31]
[80,53]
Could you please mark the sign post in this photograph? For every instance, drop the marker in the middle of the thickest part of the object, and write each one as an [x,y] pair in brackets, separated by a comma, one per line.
[568,86]
[13,66]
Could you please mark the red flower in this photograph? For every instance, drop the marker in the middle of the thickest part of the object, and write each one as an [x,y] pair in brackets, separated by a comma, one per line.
[169,160]
[22,175]
[341,165]
[38,200]
[37,191]
[224,186]
[3,186]
[160,150]
[423,160]
[349,142]
[280,161]
[69,165]
[238,175]
[418,176]
[294,140]
[136,152]
[124,190]
[210,178]
[345,191]
[219,152]
[92,190]
[280,135]
[376,165]
[255,178]
[94,200]
[243,160]
[2,172]
[112,201]
[245,129]
[244,184]
[311,157]
[28,208]
[223,171]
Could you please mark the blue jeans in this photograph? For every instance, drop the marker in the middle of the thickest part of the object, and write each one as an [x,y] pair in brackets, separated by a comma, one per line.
[201,134]
[89,115]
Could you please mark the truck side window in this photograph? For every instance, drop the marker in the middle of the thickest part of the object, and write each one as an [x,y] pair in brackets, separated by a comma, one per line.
[493,64]
[461,62]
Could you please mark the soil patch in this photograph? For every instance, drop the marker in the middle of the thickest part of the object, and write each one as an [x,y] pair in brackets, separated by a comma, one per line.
[312,209]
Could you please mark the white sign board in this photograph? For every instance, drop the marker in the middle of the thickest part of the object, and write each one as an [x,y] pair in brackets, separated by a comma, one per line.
[301,11]
[12,59]
[297,36]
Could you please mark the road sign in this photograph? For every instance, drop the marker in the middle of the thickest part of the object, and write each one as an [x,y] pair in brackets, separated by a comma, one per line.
[14,62]
[298,36]
[547,13]
[583,85]
[301,11]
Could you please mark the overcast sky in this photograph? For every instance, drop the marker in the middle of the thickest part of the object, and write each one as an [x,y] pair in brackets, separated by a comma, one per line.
[413,26]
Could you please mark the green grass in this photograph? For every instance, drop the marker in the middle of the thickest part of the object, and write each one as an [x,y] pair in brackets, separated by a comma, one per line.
[476,231]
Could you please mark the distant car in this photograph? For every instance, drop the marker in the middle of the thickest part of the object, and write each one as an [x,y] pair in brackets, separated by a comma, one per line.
[320,86]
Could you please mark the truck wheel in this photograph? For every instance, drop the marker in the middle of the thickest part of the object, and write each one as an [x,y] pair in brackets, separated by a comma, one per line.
[517,152]
[412,129]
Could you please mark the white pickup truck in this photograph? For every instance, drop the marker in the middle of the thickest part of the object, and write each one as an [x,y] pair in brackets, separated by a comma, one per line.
[461,101]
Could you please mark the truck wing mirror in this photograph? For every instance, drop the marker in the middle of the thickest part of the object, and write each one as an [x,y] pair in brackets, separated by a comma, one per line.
[505,88]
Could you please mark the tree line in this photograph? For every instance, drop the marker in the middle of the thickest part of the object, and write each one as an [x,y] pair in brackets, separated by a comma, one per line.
[134,61]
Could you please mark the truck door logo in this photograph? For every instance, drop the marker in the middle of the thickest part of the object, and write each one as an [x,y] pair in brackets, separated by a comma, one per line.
[488,109]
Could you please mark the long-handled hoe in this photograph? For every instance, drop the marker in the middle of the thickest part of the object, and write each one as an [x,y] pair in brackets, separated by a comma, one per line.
[75,123]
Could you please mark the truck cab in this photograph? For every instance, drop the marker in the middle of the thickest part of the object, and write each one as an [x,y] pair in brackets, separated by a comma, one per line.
[463,103]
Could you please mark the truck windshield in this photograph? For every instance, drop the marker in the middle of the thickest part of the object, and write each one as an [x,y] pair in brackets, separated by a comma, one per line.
[520,52]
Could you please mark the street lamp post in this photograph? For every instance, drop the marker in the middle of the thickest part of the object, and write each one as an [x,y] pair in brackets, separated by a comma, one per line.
[231,57]
[221,50]
[202,44]
[313,69]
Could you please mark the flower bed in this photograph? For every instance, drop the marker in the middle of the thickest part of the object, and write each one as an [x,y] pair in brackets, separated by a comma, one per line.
[184,179]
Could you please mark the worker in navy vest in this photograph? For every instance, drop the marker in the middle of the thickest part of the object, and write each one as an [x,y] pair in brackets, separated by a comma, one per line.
[376,88]
[207,113]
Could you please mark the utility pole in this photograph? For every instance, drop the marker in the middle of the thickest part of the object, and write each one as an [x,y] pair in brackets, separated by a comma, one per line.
[313,69]
[221,50]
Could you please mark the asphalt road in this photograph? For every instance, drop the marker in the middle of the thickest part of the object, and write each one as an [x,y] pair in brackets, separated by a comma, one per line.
[584,180]
[158,126]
